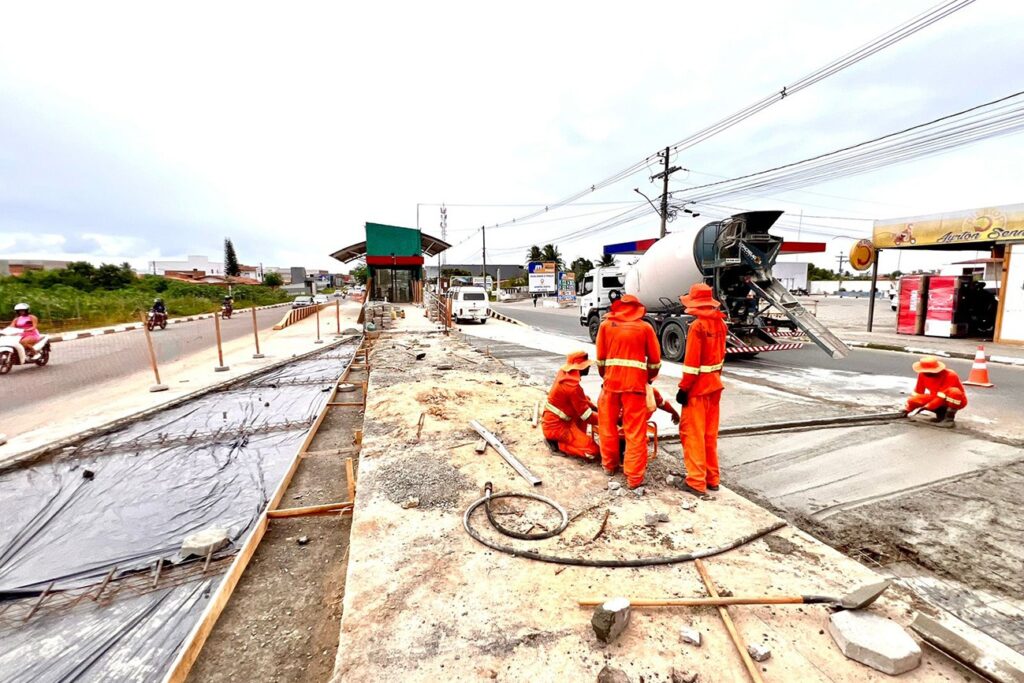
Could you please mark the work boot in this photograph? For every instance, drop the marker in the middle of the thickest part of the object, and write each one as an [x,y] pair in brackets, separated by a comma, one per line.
[712,488]
[703,495]
[940,413]
[553,445]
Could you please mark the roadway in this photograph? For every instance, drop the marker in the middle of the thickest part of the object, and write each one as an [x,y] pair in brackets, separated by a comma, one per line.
[93,360]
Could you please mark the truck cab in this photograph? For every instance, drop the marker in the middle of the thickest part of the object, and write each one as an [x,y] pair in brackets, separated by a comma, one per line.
[593,295]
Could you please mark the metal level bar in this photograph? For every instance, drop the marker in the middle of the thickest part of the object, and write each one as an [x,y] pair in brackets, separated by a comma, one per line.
[497,445]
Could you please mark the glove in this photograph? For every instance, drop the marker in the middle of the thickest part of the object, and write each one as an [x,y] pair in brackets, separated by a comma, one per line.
[681,397]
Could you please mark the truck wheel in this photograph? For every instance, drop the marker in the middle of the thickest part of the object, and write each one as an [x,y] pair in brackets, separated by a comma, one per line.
[673,341]
[593,324]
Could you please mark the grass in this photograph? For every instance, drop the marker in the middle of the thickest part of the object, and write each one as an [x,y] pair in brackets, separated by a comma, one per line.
[61,307]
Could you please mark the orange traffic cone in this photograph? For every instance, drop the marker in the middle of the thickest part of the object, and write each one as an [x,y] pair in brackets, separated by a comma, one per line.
[979,371]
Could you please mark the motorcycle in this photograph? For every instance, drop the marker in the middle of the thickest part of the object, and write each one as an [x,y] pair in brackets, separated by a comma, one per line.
[225,311]
[155,320]
[13,353]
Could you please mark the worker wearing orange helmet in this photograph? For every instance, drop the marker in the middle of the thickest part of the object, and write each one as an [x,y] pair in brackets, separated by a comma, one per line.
[568,411]
[938,390]
[700,389]
[628,358]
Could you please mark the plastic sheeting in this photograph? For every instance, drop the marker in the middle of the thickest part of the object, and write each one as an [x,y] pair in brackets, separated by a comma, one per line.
[212,462]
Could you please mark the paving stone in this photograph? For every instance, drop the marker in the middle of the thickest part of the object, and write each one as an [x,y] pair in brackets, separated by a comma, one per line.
[201,542]
[873,640]
[611,619]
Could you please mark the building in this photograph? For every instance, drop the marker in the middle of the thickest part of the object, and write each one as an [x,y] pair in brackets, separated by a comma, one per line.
[394,257]
[18,267]
[505,270]
[200,264]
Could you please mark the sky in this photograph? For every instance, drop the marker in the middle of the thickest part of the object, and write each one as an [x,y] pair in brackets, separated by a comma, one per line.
[139,131]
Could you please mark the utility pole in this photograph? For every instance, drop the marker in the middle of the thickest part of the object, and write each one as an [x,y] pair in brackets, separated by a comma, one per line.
[483,232]
[669,170]
[842,259]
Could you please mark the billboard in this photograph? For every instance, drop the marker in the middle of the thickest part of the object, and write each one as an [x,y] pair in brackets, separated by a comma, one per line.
[959,228]
[543,277]
[567,288]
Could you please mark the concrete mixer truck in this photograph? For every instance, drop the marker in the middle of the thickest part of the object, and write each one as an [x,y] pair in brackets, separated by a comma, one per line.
[735,257]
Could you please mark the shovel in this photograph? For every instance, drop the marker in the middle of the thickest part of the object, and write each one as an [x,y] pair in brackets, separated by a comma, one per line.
[857,599]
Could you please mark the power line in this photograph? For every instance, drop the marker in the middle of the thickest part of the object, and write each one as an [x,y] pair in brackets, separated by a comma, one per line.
[900,32]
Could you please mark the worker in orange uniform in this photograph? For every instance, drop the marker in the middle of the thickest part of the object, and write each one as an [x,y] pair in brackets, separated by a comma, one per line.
[568,411]
[938,390]
[700,390]
[655,402]
[628,358]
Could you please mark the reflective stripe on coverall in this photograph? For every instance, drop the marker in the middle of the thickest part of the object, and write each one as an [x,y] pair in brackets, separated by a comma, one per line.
[628,356]
[566,415]
[937,389]
[702,382]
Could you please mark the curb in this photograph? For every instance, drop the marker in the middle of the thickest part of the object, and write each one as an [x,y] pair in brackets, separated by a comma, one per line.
[40,452]
[916,350]
[501,316]
[72,336]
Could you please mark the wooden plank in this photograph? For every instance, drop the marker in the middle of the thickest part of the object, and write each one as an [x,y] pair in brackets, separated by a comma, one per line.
[755,673]
[343,404]
[351,480]
[327,508]
[336,452]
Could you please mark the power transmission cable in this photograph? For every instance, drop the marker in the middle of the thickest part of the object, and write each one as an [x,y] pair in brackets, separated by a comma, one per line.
[900,32]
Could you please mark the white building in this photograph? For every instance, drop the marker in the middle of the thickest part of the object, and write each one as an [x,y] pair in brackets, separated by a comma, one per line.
[200,263]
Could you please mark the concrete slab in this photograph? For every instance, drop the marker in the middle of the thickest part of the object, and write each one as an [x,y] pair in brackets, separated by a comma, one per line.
[874,641]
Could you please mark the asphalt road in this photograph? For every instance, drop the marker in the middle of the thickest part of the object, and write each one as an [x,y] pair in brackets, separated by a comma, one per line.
[93,360]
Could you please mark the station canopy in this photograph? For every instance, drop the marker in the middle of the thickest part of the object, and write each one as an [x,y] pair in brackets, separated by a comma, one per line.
[971,230]
[388,240]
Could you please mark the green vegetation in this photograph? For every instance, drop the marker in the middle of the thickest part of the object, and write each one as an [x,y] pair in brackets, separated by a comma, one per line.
[273,280]
[83,295]
[580,267]
[360,273]
[230,260]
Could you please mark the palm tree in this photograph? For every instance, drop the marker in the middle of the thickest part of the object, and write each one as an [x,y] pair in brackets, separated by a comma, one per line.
[533,254]
[606,261]
[550,253]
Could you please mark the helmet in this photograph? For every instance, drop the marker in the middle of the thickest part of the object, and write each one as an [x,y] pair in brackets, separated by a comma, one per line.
[21,307]
[158,300]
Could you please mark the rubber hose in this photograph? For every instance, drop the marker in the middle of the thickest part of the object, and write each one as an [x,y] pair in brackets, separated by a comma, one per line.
[583,562]
[489,496]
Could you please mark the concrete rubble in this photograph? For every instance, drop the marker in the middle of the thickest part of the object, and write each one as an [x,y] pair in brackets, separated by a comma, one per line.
[612,675]
[758,652]
[691,636]
[611,619]
[202,542]
[875,641]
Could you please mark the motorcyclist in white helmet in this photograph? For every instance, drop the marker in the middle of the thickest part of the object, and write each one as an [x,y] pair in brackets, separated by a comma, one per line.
[29,326]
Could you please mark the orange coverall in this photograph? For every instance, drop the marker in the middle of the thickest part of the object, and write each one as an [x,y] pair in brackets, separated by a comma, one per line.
[628,357]
[937,389]
[567,414]
[702,382]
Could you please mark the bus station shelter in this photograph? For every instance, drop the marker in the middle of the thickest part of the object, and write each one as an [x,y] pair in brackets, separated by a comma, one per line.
[394,258]
[998,230]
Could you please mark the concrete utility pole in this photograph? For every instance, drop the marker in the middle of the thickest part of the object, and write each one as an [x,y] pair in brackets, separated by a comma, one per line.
[669,170]
[483,232]
[842,259]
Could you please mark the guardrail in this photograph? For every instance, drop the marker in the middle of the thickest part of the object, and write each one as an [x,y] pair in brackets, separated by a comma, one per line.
[296,314]
[439,309]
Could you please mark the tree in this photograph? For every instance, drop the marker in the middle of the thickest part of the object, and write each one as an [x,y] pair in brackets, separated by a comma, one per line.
[534,254]
[273,280]
[606,261]
[230,259]
[455,272]
[580,267]
[109,276]
[816,273]
[550,253]
[360,273]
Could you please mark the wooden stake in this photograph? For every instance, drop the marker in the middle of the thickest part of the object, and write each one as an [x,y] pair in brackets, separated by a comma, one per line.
[536,413]
[419,428]
[318,339]
[755,673]
[152,357]
[256,334]
[220,351]
[337,317]
[310,510]
[351,479]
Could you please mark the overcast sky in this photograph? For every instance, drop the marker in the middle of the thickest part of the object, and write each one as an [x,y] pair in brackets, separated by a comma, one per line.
[131,131]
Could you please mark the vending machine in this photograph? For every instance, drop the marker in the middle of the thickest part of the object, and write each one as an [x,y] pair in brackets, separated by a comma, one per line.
[913,298]
[947,313]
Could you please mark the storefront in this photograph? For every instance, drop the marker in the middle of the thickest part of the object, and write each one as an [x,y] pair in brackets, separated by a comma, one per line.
[997,230]
[394,259]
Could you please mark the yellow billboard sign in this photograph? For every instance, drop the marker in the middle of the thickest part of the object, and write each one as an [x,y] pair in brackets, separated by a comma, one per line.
[993,224]
[862,255]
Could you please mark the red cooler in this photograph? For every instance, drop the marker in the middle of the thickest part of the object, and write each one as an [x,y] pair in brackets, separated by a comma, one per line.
[913,297]
[946,314]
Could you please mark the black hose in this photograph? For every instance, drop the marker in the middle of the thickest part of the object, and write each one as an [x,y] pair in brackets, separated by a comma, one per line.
[584,562]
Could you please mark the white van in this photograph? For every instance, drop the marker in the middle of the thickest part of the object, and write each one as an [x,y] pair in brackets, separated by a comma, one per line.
[469,303]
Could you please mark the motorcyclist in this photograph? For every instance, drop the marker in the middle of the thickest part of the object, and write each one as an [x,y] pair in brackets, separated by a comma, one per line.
[29,326]
[228,306]
[158,306]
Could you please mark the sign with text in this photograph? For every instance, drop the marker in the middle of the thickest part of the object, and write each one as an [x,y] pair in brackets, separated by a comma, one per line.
[543,277]
[993,224]
[567,288]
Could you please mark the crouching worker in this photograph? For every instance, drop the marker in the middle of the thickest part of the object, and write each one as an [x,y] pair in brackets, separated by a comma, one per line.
[656,402]
[938,390]
[568,411]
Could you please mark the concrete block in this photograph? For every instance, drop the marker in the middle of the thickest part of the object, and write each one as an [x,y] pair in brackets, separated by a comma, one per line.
[684,676]
[759,652]
[968,645]
[612,675]
[614,486]
[611,619]
[201,542]
[691,636]
[655,518]
[874,641]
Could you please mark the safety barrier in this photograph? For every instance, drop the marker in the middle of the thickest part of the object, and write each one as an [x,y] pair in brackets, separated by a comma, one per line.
[296,314]
[438,309]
